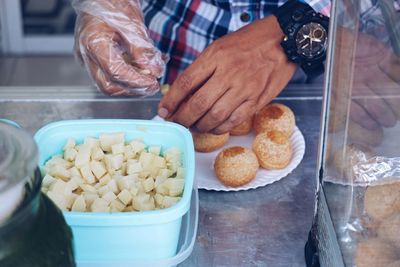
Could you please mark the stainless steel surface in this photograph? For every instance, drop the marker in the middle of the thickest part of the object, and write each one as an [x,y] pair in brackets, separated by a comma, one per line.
[262,227]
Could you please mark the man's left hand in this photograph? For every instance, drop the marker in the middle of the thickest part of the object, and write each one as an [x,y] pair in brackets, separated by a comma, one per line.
[231,79]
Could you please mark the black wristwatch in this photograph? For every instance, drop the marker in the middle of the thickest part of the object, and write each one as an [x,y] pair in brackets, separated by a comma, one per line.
[306,35]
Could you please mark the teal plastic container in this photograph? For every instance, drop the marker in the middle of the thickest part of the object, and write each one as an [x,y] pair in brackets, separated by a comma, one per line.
[126,236]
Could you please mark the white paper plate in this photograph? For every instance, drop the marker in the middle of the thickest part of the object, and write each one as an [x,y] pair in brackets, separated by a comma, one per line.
[206,178]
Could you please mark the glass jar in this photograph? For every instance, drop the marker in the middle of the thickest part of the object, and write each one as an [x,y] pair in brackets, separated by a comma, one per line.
[33,231]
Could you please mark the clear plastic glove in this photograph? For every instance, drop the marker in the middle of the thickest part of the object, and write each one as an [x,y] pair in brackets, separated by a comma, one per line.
[112,41]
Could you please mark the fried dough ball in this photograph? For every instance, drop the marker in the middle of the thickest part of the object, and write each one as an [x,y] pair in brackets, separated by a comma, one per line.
[208,142]
[273,149]
[381,201]
[236,166]
[275,117]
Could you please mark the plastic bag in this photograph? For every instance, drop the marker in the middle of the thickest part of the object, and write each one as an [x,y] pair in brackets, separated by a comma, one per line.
[113,43]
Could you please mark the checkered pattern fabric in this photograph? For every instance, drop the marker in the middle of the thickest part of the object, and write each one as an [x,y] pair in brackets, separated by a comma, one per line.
[182,29]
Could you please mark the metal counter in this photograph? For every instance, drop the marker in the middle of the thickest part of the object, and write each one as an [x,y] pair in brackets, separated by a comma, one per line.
[267,226]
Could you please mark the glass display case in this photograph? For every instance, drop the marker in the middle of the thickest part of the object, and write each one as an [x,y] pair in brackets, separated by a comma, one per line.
[357,220]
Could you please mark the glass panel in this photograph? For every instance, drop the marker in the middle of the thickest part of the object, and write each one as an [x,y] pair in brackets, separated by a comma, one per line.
[362,147]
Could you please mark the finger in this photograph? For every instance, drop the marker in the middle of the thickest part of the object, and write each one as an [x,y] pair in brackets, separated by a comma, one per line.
[103,50]
[200,102]
[186,83]
[222,109]
[240,114]
[385,86]
[276,82]
[361,116]
[101,81]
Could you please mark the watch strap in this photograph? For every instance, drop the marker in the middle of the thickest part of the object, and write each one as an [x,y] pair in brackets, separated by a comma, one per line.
[289,12]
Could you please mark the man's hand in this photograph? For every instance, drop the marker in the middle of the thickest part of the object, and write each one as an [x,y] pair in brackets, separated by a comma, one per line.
[112,40]
[232,79]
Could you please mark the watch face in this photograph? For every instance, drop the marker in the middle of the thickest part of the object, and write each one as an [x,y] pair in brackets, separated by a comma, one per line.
[311,40]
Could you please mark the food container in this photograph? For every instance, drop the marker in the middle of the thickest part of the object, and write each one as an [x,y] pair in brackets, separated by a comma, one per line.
[134,237]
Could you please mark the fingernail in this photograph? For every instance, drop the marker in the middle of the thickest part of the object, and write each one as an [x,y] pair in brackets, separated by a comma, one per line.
[163,112]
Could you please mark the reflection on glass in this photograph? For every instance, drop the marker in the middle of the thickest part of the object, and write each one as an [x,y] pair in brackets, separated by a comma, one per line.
[361,178]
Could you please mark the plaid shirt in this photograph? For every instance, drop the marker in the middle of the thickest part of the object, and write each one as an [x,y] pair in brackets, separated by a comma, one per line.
[182,29]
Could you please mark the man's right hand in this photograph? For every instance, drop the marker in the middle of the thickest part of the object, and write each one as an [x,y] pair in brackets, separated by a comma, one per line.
[112,41]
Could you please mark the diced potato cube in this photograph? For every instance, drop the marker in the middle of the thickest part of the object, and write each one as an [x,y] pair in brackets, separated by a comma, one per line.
[79,204]
[103,190]
[162,189]
[70,199]
[77,180]
[97,185]
[107,140]
[175,186]
[148,184]
[87,174]
[113,162]
[58,199]
[118,148]
[159,180]
[60,187]
[117,206]
[74,183]
[137,146]
[134,190]
[83,156]
[164,173]
[125,182]
[146,160]
[70,154]
[109,196]
[128,152]
[155,150]
[125,197]
[48,180]
[159,162]
[159,199]
[91,142]
[97,169]
[58,160]
[144,174]
[143,202]
[74,172]
[124,168]
[173,166]
[105,179]
[60,171]
[97,153]
[169,201]
[113,186]
[133,166]
[100,205]
[88,188]
[70,143]
[89,198]
[172,154]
